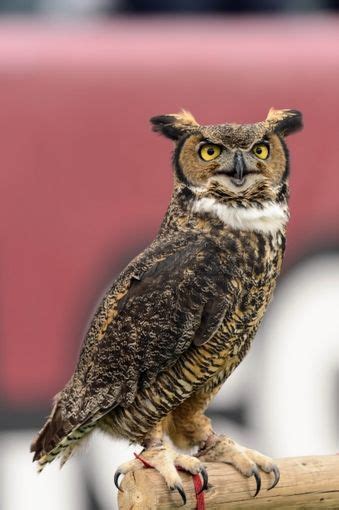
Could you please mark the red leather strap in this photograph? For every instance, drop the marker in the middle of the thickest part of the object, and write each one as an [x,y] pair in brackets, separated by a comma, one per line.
[199,495]
[142,460]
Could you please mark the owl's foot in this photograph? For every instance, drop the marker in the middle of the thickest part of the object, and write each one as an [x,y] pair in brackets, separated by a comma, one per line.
[246,461]
[165,460]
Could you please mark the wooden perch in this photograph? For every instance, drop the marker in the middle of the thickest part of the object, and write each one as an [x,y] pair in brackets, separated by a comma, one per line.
[306,482]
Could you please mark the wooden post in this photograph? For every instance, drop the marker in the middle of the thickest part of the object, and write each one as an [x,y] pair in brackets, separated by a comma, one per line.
[306,482]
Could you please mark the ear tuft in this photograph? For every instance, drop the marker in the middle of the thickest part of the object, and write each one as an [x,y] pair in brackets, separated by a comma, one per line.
[174,125]
[285,122]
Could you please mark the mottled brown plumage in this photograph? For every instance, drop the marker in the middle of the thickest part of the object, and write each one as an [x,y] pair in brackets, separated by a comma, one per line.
[182,315]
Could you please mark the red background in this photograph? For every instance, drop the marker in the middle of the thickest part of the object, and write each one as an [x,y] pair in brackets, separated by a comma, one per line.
[84,182]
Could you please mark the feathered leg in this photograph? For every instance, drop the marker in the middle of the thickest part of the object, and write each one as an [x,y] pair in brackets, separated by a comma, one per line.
[187,426]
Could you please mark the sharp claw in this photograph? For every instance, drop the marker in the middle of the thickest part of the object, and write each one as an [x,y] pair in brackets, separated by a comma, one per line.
[204,476]
[116,480]
[276,472]
[181,491]
[257,477]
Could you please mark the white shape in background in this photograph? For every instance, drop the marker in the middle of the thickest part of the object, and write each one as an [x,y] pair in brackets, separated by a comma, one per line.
[297,400]
[23,489]
[103,457]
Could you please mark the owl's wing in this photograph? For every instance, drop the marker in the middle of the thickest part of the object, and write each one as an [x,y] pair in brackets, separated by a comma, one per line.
[177,302]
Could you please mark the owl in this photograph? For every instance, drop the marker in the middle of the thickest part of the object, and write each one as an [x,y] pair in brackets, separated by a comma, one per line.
[182,315]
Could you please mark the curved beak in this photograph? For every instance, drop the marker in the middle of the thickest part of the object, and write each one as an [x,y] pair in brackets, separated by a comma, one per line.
[239,166]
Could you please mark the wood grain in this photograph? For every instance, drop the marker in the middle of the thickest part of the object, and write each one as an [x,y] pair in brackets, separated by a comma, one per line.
[306,482]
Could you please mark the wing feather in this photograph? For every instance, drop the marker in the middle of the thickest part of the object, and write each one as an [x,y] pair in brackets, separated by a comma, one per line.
[165,303]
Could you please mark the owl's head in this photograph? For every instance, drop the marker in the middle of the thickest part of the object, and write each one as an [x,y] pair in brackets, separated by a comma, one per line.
[242,163]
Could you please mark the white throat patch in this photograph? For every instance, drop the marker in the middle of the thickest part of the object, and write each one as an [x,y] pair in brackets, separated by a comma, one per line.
[268,219]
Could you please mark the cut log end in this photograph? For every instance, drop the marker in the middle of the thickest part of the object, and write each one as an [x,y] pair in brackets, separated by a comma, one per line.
[306,482]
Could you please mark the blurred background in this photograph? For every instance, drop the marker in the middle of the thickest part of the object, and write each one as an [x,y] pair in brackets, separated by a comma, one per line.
[84,185]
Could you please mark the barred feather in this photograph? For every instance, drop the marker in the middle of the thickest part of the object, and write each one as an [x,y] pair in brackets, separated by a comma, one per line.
[182,315]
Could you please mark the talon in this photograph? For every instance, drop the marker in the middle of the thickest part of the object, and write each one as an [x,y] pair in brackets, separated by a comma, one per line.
[116,480]
[204,476]
[276,472]
[257,479]
[181,491]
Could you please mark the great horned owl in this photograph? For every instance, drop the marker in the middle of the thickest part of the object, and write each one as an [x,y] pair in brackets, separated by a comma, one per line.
[182,315]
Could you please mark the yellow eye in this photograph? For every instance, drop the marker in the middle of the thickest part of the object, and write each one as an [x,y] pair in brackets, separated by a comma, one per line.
[209,151]
[261,151]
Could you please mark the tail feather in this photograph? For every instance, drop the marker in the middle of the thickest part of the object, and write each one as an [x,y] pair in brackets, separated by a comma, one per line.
[58,437]
[54,430]
[66,447]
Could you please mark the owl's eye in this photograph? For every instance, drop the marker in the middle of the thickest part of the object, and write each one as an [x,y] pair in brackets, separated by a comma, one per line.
[209,151]
[261,150]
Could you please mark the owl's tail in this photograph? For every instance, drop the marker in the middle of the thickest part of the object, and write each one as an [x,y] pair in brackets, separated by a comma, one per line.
[51,433]
[57,437]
